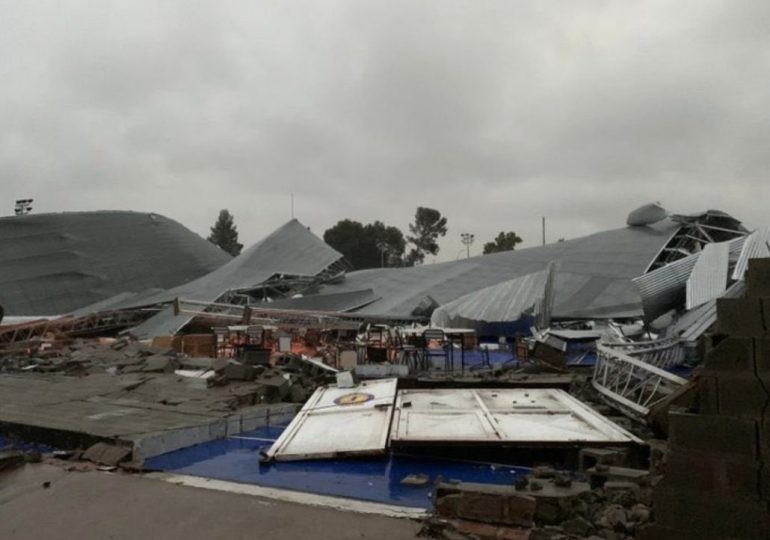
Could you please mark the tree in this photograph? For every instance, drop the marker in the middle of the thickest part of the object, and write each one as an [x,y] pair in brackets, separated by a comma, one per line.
[367,246]
[224,234]
[389,242]
[428,226]
[505,241]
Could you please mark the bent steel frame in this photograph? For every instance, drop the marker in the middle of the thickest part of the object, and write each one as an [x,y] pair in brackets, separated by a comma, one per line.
[633,384]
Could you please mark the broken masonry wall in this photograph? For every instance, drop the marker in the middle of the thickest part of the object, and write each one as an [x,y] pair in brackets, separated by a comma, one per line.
[717,481]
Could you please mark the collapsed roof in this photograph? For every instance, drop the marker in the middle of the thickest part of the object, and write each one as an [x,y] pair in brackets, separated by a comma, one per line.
[290,257]
[593,276]
[56,263]
[593,279]
[508,301]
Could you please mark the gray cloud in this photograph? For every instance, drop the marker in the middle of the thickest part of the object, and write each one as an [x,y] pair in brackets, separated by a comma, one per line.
[496,113]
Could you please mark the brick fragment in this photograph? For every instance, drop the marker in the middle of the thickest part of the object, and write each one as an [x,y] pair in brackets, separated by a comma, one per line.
[488,503]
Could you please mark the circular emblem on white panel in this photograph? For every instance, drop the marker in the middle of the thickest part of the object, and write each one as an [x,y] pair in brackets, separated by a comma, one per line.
[356,398]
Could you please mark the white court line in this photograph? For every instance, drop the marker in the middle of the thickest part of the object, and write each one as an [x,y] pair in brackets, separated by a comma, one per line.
[298,497]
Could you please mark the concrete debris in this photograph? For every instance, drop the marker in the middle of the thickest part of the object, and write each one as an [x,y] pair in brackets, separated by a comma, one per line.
[345,379]
[484,502]
[146,399]
[716,482]
[107,454]
[415,480]
[543,508]
[10,460]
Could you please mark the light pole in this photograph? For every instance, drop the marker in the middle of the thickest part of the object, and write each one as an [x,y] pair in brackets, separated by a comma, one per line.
[23,207]
[383,247]
[467,239]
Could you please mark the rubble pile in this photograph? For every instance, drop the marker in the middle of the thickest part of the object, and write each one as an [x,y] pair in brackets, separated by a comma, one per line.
[292,379]
[607,503]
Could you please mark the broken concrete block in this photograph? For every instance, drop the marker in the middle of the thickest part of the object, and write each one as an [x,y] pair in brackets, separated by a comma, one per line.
[741,395]
[484,502]
[731,355]
[588,457]
[239,372]
[727,474]
[107,454]
[740,317]
[277,386]
[707,395]
[345,379]
[415,480]
[762,360]
[297,394]
[578,526]
[726,434]
[158,363]
[758,278]
[709,514]
[543,471]
[613,487]
[11,459]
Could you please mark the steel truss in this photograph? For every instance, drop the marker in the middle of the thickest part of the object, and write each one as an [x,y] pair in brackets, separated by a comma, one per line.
[632,377]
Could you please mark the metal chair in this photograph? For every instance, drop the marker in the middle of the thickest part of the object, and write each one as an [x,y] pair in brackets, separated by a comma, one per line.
[437,335]
[410,351]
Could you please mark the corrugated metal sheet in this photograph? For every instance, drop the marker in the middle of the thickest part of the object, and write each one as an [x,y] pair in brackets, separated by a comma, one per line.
[708,279]
[291,250]
[505,416]
[665,288]
[693,324]
[757,246]
[56,263]
[504,302]
[346,301]
[593,279]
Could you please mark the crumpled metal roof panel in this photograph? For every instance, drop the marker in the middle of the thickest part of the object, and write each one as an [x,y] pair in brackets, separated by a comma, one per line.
[602,264]
[55,263]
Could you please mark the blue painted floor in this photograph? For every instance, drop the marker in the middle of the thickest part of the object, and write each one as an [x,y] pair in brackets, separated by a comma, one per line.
[476,359]
[377,480]
[7,443]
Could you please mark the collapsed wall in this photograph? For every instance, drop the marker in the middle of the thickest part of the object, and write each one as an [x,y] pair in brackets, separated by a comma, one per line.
[717,482]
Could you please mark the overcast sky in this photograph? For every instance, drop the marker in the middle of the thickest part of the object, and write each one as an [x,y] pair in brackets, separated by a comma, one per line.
[494,112]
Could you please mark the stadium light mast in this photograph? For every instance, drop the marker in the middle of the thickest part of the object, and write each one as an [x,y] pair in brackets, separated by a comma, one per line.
[23,207]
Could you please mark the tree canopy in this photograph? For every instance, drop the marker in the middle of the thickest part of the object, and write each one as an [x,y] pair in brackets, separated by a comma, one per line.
[367,246]
[429,225]
[505,241]
[224,234]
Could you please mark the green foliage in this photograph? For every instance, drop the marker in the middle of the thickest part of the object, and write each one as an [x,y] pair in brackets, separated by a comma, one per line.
[505,241]
[367,246]
[224,234]
[428,226]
